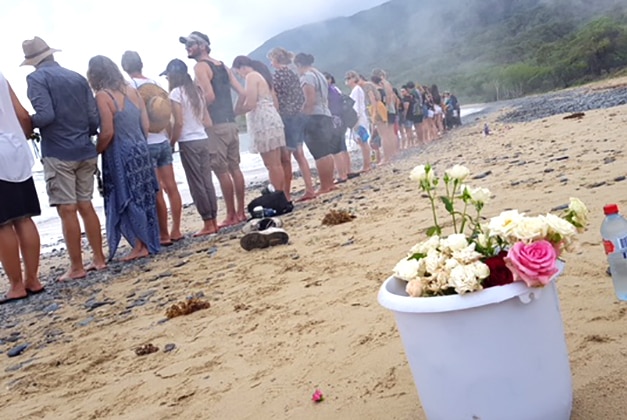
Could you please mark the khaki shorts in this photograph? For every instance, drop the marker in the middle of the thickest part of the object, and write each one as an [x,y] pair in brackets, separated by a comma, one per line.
[69,182]
[224,145]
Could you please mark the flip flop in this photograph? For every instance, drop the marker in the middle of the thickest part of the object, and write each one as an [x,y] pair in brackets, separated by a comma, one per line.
[177,239]
[35,292]
[169,243]
[6,299]
[340,181]
[352,175]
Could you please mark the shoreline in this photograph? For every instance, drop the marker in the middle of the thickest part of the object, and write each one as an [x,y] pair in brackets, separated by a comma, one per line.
[290,319]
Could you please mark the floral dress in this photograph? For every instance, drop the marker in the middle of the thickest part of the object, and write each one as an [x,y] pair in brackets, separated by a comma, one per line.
[265,126]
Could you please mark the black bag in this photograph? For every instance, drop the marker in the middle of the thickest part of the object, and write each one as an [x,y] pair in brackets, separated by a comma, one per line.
[349,115]
[273,200]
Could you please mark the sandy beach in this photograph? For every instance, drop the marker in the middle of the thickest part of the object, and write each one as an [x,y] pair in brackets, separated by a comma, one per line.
[291,319]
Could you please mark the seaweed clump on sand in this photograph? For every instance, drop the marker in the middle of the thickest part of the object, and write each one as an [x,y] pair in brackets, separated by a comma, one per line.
[186,307]
[146,349]
[336,217]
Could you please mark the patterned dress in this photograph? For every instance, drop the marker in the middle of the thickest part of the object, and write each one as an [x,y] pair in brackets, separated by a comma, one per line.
[265,126]
[130,183]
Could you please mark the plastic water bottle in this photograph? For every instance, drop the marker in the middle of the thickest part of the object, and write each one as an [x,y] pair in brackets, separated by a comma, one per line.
[614,234]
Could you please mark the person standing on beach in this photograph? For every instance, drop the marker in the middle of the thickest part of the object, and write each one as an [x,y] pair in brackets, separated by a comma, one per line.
[263,120]
[18,232]
[130,183]
[66,116]
[216,81]
[360,132]
[319,131]
[388,136]
[191,124]
[291,99]
[161,155]
[341,160]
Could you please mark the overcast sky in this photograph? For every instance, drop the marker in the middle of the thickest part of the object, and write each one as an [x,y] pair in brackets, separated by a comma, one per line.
[84,28]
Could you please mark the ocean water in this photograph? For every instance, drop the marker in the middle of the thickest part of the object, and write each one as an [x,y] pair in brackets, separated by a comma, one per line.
[49,224]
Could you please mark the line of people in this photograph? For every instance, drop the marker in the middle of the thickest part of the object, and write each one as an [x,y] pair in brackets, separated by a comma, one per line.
[136,125]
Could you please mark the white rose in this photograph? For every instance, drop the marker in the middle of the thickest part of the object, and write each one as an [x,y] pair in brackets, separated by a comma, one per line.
[579,210]
[504,223]
[480,270]
[433,261]
[406,269]
[480,195]
[467,255]
[458,172]
[482,240]
[455,242]
[560,226]
[420,173]
[414,288]
[425,246]
[463,280]
[529,229]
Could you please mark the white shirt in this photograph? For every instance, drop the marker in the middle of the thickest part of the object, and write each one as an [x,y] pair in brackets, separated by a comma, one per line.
[193,129]
[358,95]
[153,138]
[16,158]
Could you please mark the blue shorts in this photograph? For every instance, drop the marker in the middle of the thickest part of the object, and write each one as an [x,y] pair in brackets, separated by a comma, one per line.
[294,128]
[362,134]
[160,154]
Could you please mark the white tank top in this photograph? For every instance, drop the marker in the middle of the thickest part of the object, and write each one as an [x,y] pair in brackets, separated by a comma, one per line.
[16,158]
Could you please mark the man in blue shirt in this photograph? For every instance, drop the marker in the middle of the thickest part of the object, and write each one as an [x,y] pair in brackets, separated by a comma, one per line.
[67,117]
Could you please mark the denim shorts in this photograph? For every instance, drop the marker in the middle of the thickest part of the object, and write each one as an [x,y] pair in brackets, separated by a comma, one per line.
[294,127]
[160,154]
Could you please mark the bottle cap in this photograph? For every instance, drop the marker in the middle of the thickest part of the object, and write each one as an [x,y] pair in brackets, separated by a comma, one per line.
[610,209]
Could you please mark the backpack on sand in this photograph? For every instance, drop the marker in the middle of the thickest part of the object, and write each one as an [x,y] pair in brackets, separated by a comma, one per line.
[273,200]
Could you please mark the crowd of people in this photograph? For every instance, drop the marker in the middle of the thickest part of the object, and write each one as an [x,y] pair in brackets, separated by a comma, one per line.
[136,125]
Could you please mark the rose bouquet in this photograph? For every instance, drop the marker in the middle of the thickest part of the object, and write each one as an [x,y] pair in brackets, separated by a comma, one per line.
[478,253]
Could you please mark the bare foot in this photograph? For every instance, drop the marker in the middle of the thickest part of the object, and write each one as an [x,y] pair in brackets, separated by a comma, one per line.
[33,286]
[136,254]
[73,275]
[205,232]
[326,190]
[176,236]
[94,266]
[232,221]
[308,196]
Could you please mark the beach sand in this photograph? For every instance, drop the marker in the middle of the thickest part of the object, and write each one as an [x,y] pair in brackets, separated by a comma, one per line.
[290,319]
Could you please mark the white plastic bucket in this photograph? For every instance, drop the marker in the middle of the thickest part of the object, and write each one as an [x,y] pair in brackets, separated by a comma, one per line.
[497,354]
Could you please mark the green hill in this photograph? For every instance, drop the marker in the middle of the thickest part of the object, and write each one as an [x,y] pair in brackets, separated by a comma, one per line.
[482,49]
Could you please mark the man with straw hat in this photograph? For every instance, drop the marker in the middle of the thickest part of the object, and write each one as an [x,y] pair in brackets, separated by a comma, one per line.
[159,112]
[67,117]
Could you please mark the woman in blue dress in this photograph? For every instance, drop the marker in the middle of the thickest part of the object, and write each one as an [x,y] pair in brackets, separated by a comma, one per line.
[130,185]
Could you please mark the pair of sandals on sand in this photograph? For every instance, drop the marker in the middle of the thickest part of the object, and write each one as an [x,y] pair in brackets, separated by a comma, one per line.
[263,233]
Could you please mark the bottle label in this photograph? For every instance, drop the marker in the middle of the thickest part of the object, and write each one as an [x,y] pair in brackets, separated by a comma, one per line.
[615,245]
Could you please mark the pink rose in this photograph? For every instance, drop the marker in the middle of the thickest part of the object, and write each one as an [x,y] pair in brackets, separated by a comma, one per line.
[534,264]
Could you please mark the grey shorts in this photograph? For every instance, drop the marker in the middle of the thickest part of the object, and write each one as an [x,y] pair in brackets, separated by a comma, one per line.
[160,154]
[69,182]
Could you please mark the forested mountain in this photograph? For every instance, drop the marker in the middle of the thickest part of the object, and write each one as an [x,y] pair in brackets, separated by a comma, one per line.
[483,49]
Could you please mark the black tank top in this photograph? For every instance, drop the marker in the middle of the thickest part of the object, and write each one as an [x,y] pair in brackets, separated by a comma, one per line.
[221,110]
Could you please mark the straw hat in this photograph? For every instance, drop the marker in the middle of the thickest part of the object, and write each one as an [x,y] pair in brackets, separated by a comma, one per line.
[36,50]
[158,106]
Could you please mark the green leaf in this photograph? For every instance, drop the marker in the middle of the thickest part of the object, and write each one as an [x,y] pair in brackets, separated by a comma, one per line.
[448,204]
[434,230]
[417,256]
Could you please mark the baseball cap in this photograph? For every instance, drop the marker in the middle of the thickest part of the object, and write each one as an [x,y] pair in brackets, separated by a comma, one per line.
[195,36]
[175,66]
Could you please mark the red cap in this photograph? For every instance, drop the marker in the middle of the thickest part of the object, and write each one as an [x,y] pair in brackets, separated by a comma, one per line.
[610,209]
